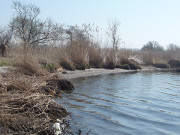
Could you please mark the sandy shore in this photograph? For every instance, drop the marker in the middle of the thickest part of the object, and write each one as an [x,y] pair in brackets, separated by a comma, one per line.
[88,72]
[94,72]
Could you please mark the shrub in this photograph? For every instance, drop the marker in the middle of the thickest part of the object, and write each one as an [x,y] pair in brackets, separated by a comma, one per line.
[174,63]
[132,64]
[124,66]
[80,66]
[96,63]
[95,57]
[87,66]
[77,52]
[161,65]
[51,67]
[147,57]
[109,63]
[67,65]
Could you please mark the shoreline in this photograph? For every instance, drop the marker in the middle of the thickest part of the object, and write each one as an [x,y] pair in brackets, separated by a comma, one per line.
[69,75]
[41,83]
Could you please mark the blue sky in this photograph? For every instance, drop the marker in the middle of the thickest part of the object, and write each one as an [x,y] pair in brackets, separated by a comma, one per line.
[141,20]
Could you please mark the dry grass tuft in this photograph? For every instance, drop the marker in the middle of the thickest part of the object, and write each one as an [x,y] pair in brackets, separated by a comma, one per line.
[78,53]
[109,61]
[28,65]
[95,57]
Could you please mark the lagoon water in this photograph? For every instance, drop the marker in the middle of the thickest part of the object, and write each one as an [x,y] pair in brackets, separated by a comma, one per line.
[142,103]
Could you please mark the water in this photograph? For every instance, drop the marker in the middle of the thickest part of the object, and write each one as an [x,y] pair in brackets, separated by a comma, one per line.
[143,103]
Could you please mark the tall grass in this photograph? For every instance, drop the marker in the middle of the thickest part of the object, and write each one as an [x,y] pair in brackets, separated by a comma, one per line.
[80,55]
[95,57]
[27,62]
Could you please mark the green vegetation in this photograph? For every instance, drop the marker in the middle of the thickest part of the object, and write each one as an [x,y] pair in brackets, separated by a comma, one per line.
[4,63]
[51,67]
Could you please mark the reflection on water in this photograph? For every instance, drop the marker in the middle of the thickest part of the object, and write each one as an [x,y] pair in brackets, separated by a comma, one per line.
[134,103]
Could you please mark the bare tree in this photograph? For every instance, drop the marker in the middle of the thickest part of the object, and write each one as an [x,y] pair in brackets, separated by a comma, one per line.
[113,32]
[28,28]
[5,37]
[152,46]
[173,47]
[75,33]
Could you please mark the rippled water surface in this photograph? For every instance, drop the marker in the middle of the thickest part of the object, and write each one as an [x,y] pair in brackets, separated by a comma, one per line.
[143,103]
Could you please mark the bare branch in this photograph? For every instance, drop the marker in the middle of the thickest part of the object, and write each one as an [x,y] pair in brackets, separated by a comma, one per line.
[113,32]
[5,37]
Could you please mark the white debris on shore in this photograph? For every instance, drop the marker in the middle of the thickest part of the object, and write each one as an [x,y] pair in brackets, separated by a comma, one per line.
[59,127]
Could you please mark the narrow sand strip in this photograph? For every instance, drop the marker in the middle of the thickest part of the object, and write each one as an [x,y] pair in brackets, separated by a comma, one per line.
[94,72]
[88,72]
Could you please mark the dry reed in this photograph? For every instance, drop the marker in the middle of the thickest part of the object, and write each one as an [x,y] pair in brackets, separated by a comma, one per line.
[25,108]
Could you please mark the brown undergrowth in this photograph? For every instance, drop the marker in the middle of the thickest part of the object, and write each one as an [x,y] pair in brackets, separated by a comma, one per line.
[27,105]
[28,113]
